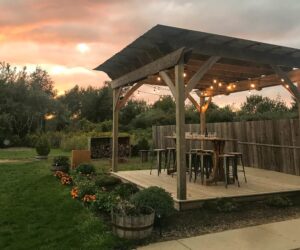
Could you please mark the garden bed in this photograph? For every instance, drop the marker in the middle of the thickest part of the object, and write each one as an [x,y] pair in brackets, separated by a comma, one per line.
[215,216]
[202,221]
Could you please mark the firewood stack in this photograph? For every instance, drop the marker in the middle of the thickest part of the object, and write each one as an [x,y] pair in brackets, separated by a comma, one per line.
[101,147]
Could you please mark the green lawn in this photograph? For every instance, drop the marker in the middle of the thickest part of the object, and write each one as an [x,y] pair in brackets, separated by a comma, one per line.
[37,212]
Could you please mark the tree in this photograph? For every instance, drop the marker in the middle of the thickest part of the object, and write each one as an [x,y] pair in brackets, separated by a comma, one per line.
[257,107]
[166,104]
[27,98]
[131,110]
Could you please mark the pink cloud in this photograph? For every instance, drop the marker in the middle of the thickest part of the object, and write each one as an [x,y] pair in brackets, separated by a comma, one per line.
[46,32]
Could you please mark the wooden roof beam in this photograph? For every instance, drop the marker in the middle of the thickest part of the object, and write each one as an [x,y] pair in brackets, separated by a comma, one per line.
[152,68]
[286,80]
[200,73]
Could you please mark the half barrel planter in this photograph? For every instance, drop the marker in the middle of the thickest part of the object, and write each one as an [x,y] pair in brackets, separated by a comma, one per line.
[132,227]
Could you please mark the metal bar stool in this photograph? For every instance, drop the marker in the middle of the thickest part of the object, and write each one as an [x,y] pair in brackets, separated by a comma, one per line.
[206,163]
[227,159]
[144,155]
[239,156]
[159,154]
[170,160]
[193,163]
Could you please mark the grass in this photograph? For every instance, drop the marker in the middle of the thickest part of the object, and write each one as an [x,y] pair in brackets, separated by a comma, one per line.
[37,212]
[26,153]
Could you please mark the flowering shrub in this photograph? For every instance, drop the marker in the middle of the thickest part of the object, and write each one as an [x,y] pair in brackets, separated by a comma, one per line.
[86,169]
[88,198]
[86,187]
[104,202]
[59,174]
[74,192]
[65,179]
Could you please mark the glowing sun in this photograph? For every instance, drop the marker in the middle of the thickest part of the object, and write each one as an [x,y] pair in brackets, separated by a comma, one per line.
[82,48]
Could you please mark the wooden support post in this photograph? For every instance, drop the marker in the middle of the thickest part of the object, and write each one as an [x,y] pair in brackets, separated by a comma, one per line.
[202,118]
[295,91]
[116,95]
[180,131]
[298,102]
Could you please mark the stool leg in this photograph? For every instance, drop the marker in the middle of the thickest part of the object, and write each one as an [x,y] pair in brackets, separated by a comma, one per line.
[202,168]
[225,171]
[169,160]
[159,162]
[152,162]
[190,167]
[196,167]
[166,160]
[242,161]
[235,170]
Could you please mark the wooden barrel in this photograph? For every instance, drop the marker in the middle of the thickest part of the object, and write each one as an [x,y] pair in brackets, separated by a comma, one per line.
[132,227]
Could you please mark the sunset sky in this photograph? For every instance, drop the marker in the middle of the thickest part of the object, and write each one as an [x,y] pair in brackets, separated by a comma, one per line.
[69,38]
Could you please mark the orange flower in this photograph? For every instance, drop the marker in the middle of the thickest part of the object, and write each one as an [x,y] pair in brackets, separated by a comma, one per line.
[89,198]
[66,180]
[60,174]
[74,192]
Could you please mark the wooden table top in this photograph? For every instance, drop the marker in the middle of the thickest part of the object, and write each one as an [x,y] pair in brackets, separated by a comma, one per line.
[203,138]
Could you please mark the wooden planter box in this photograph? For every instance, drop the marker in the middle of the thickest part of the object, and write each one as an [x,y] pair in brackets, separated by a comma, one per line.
[132,227]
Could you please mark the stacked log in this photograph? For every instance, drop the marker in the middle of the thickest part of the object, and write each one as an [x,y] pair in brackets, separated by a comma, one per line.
[101,147]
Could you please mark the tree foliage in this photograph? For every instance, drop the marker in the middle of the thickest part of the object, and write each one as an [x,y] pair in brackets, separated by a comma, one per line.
[29,104]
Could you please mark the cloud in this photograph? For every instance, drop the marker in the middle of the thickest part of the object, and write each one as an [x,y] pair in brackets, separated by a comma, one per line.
[46,32]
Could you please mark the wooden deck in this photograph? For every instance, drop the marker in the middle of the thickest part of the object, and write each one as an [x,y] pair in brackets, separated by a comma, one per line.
[261,183]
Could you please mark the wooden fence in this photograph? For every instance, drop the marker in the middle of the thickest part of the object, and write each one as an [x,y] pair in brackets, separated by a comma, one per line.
[272,144]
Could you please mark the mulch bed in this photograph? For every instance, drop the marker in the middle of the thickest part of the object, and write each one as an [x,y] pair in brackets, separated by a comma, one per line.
[201,221]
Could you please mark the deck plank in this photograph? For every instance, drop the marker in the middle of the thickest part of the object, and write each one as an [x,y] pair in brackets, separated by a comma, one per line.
[260,181]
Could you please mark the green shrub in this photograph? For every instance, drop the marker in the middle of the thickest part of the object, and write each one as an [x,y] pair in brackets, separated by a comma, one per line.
[61,163]
[42,146]
[125,190]
[128,209]
[104,202]
[85,168]
[156,198]
[16,141]
[221,205]
[78,178]
[86,187]
[30,140]
[72,142]
[142,144]
[55,138]
[279,201]
[106,180]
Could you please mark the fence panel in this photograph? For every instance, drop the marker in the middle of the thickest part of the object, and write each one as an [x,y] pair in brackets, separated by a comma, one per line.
[272,144]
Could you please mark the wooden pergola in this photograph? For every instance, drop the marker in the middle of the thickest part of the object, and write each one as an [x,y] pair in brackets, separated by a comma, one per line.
[185,61]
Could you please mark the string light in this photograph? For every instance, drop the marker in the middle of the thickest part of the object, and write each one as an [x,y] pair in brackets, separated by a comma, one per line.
[214,81]
[220,84]
[252,85]
[287,86]
[234,86]
[211,87]
[158,79]
[229,87]
[184,74]
[282,79]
